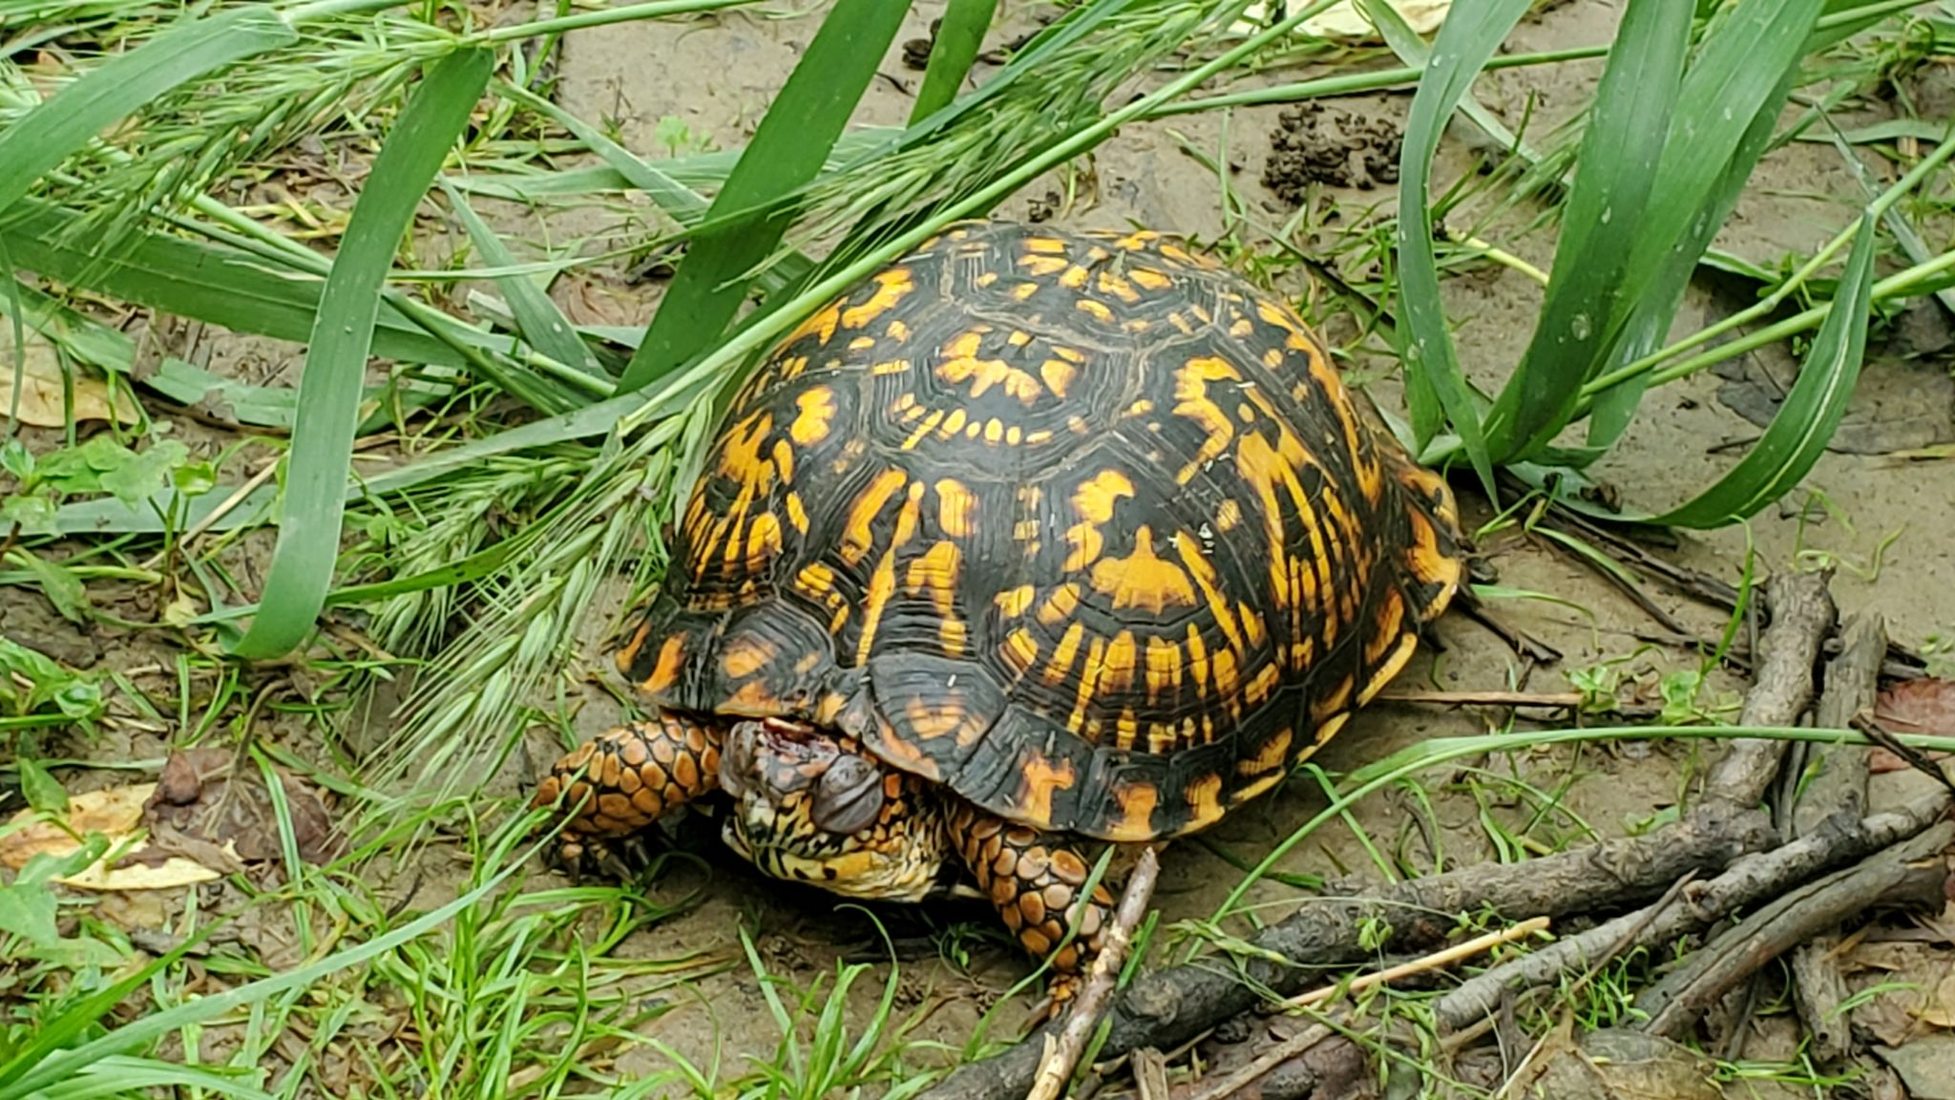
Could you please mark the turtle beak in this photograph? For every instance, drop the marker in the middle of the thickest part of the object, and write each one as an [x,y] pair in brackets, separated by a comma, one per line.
[737,758]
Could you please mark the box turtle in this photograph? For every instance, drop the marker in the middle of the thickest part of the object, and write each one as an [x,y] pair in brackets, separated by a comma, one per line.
[1031,541]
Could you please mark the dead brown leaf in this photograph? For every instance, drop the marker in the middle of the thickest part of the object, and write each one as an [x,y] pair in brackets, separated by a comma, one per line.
[117,814]
[34,377]
[202,806]
[1940,1009]
[1926,705]
[1612,1064]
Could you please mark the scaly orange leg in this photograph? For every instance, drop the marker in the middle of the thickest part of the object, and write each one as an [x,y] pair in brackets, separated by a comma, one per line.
[1038,889]
[624,779]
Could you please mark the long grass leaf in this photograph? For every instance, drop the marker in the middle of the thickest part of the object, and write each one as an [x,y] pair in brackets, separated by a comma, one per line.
[1434,380]
[959,38]
[1726,112]
[1620,151]
[329,390]
[787,150]
[67,122]
[220,286]
[538,319]
[1811,412]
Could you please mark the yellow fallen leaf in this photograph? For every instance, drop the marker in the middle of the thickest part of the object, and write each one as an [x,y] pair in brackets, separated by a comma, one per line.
[116,813]
[35,378]
[1344,21]
[1940,1009]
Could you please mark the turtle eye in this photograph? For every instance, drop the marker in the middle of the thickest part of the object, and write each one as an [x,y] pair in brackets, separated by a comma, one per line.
[848,797]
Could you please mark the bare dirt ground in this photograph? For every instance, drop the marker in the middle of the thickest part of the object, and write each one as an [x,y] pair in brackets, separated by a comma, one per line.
[1886,524]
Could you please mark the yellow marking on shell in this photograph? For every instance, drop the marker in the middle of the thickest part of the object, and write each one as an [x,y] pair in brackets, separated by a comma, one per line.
[1024,290]
[1021,650]
[1059,606]
[1045,246]
[956,508]
[1335,701]
[1245,413]
[1252,625]
[1241,327]
[1141,407]
[1096,310]
[1012,435]
[797,512]
[1389,667]
[665,671]
[1112,284]
[1330,728]
[987,278]
[882,583]
[1040,779]
[1117,667]
[1163,670]
[1219,604]
[1227,681]
[857,536]
[1025,530]
[815,410]
[1181,323]
[1126,729]
[1044,265]
[1268,469]
[1149,278]
[959,364]
[1093,502]
[763,541]
[1061,664]
[747,655]
[1385,627]
[953,424]
[895,366]
[1018,338]
[931,722]
[1204,800]
[1012,602]
[1191,398]
[1274,360]
[892,286]
[1163,737]
[752,698]
[896,331]
[1089,682]
[1228,515]
[1198,660]
[1271,756]
[1143,579]
[1057,374]
[1302,652]
[1138,240]
[862,343]
[1136,802]
[994,431]
[1262,684]
[929,425]
[1181,256]
[935,573]
[1074,278]
[820,325]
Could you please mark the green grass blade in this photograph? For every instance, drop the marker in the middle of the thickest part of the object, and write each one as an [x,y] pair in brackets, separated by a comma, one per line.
[211,283]
[1805,422]
[64,124]
[542,325]
[1727,110]
[959,38]
[787,150]
[1620,151]
[329,390]
[1434,380]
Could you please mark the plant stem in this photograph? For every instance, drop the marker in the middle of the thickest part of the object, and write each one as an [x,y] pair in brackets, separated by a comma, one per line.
[627,13]
[1771,301]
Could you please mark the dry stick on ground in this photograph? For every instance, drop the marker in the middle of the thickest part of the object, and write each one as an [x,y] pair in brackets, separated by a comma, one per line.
[1912,871]
[1296,1044]
[1802,612]
[1171,1006]
[1751,879]
[1838,787]
[1062,1051]
[1557,700]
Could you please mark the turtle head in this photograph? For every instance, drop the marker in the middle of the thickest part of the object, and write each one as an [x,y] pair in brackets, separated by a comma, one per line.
[812,806]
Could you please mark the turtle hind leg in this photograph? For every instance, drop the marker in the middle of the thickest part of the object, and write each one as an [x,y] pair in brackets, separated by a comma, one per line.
[1038,889]
[1433,558]
[621,781]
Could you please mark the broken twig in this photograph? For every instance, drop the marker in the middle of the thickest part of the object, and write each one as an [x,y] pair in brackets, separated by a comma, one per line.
[1062,1051]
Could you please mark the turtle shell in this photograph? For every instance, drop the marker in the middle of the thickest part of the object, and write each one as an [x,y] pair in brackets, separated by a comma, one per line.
[1082,526]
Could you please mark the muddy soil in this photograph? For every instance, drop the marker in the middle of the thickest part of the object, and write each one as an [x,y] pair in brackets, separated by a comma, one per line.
[1884,523]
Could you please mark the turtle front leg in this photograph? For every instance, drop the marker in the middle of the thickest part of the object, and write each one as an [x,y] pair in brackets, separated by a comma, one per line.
[624,779]
[1038,889]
